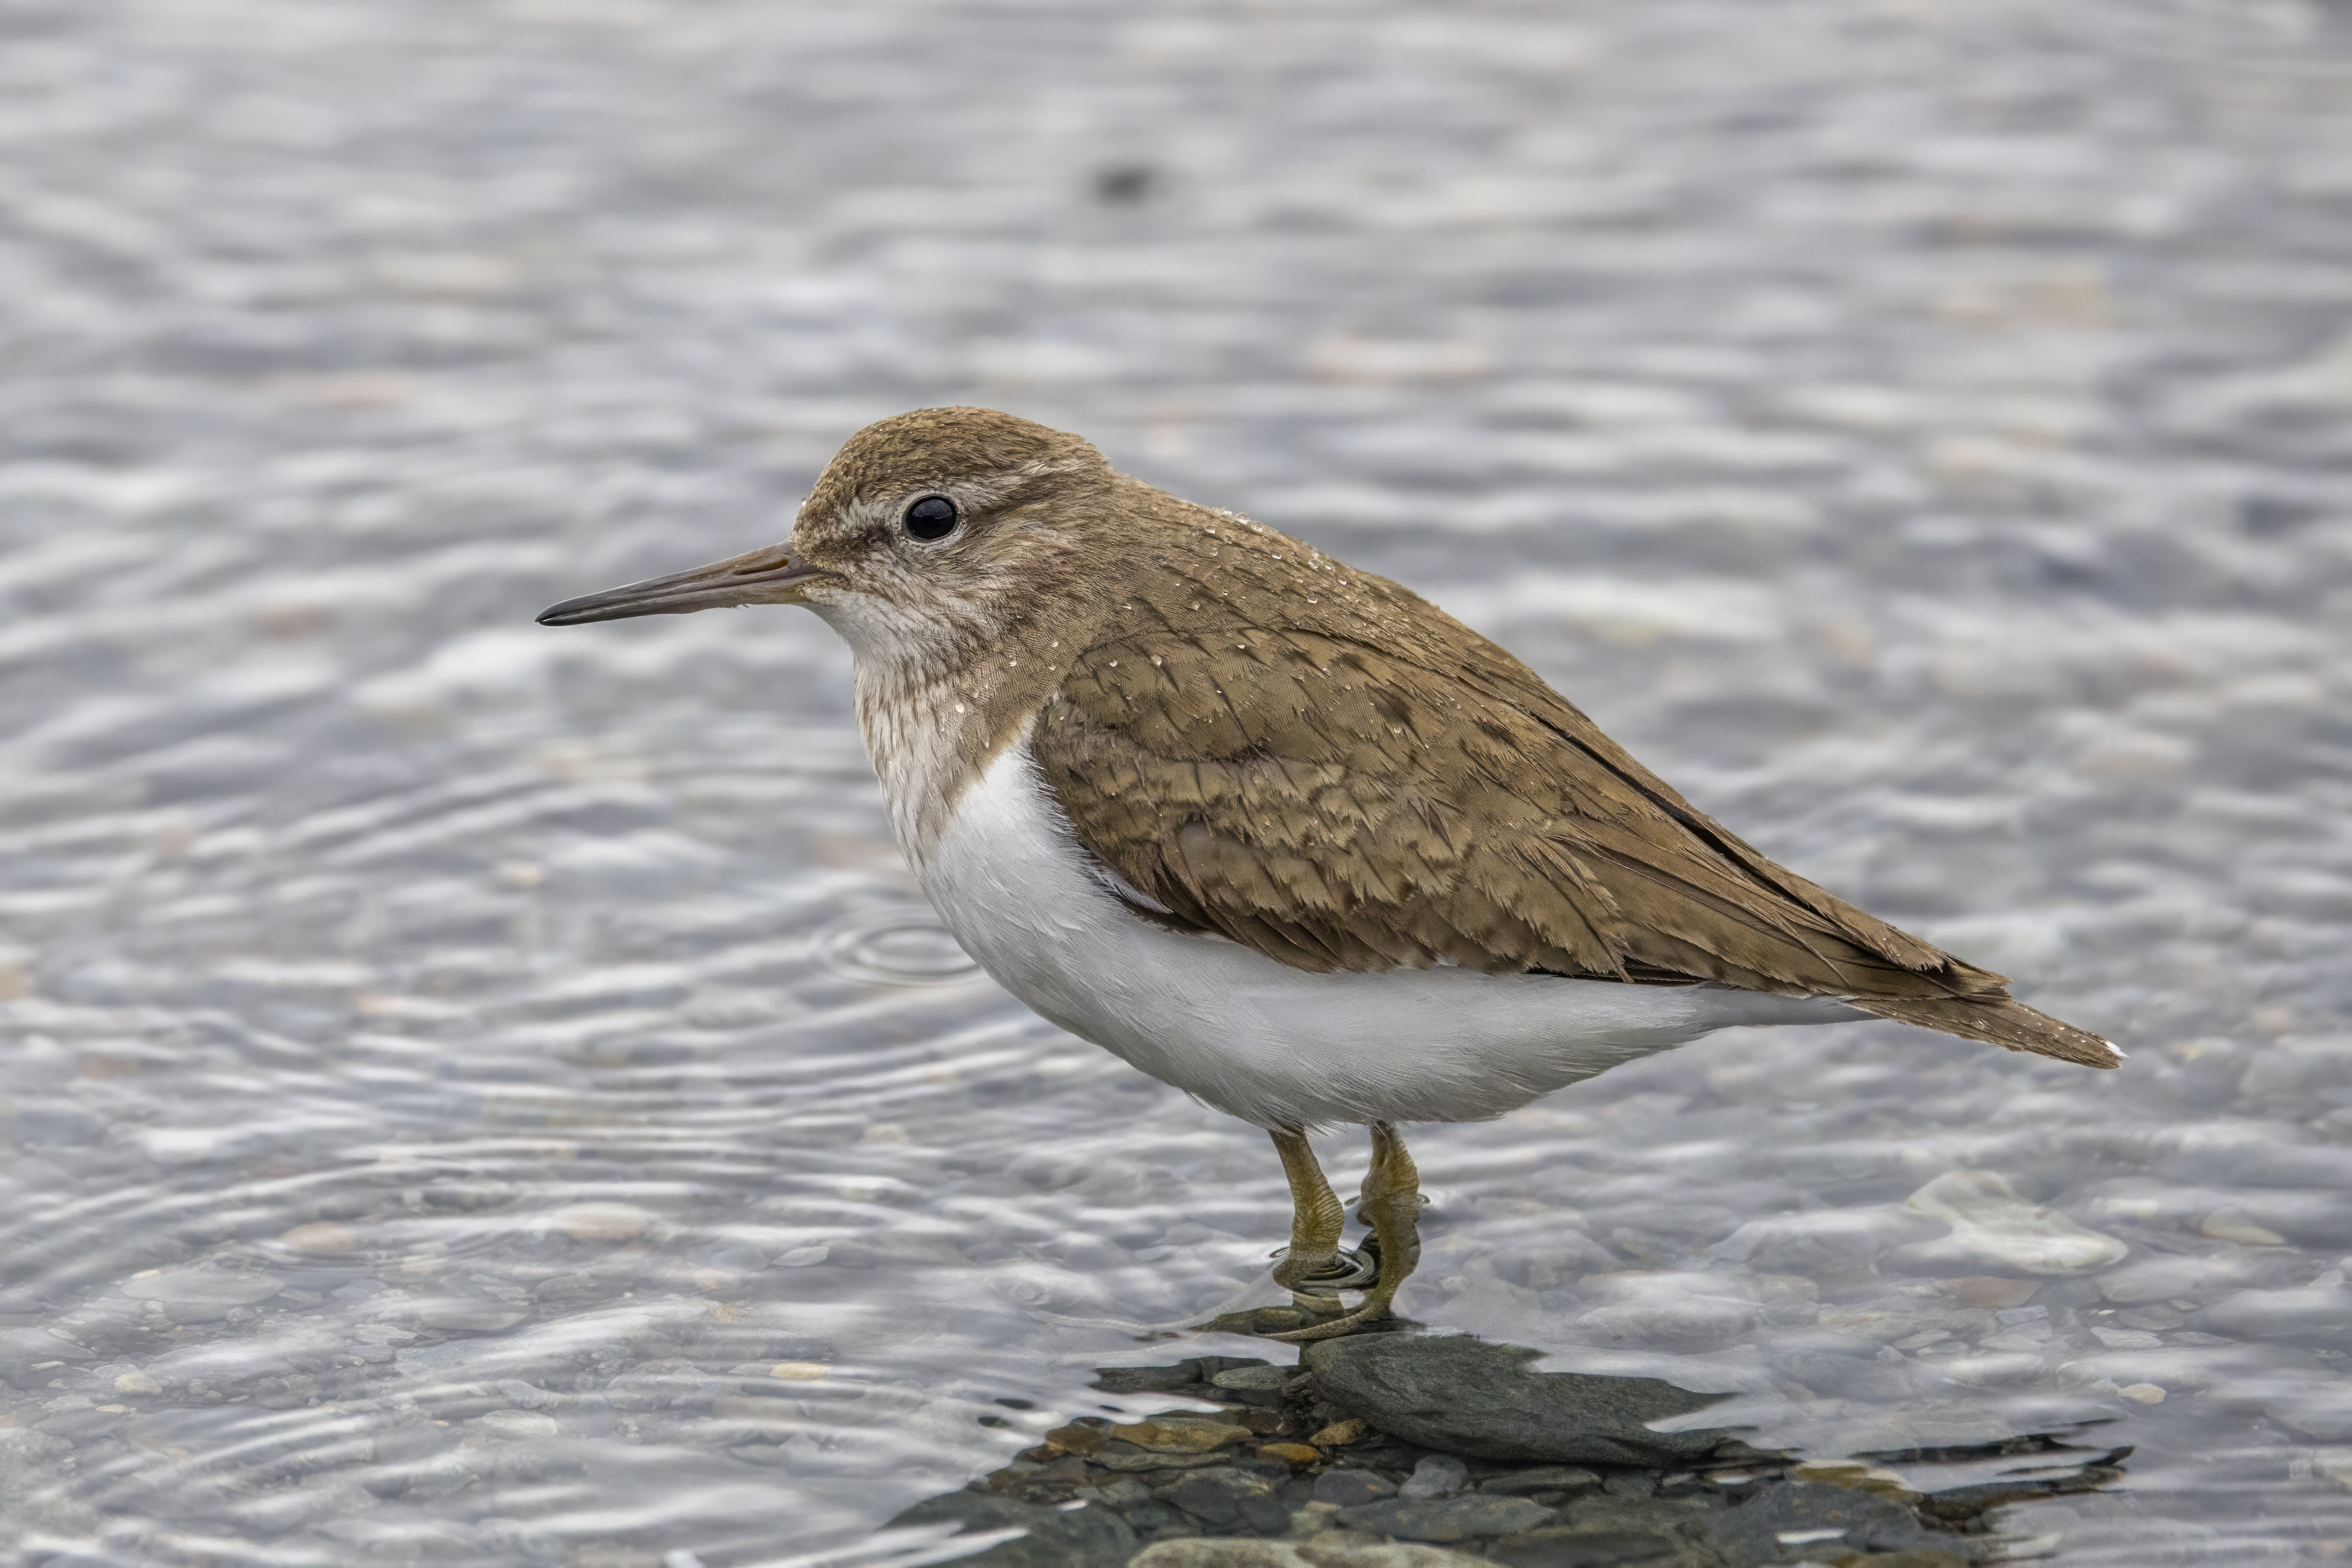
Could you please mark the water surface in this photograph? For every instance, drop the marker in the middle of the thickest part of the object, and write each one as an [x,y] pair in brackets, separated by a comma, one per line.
[481,1094]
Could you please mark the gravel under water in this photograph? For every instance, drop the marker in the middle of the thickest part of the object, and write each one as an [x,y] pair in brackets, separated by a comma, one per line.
[476,1094]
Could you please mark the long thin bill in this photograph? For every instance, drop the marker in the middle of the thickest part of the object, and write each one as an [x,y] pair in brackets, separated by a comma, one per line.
[767,576]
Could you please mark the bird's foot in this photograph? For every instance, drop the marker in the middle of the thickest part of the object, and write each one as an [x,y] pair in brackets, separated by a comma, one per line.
[1314,1287]
[1372,1311]
[1318,1293]
[1315,1268]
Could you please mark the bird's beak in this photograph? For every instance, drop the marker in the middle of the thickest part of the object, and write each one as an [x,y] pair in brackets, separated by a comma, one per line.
[769,576]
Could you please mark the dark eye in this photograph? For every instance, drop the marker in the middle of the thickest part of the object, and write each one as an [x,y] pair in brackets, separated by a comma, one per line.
[932,518]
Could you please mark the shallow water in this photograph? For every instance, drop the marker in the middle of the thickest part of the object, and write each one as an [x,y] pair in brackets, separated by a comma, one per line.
[477,1093]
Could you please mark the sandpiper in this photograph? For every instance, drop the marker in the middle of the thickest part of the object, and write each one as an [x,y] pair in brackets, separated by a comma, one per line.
[1279,832]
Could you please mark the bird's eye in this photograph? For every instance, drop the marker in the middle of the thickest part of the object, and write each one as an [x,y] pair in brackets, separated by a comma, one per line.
[932,518]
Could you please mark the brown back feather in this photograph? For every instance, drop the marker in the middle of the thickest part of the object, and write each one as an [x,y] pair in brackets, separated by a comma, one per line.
[1318,764]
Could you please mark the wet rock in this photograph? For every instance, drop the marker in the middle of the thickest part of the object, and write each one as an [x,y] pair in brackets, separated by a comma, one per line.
[1437,1475]
[1055,1482]
[323,1240]
[800,1371]
[1837,1246]
[1084,1436]
[1559,1547]
[2323,1411]
[1219,1554]
[203,1288]
[2167,1279]
[1888,1322]
[1675,1320]
[1180,1434]
[1128,1498]
[1126,1458]
[1330,1551]
[81,1423]
[602,1221]
[1081,1537]
[1184,1375]
[504,1426]
[1226,1498]
[1466,1396]
[1447,1518]
[2308,1219]
[1265,1379]
[2227,1224]
[2157,1317]
[1988,1291]
[1352,1489]
[1992,1225]
[1636,1509]
[462,1314]
[1544,1478]
[1855,1475]
[22,1351]
[1998,1370]
[1828,1520]
[1846,1377]
[2316,1314]
[2258,1155]
[276,1513]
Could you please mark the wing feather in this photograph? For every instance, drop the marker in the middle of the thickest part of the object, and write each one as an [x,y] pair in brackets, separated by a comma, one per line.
[1347,802]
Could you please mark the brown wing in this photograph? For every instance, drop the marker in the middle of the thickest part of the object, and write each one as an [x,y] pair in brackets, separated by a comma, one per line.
[1339,806]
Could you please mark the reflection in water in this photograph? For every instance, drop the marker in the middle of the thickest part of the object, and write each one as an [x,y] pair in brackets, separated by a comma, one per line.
[1539,1470]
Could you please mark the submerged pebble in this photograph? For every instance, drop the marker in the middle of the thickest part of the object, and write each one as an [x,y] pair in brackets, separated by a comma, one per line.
[1447,1518]
[2316,1314]
[1438,1475]
[203,1287]
[2168,1278]
[602,1221]
[1991,1224]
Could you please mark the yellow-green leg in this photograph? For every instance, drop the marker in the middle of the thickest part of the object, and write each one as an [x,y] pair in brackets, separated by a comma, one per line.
[1310,1267]
[1391,1205]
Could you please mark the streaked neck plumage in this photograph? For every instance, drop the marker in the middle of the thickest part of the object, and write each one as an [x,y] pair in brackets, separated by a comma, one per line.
[942,695]
[914,713]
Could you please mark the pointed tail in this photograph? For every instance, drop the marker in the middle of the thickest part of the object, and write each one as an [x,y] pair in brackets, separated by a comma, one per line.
[1997,1019]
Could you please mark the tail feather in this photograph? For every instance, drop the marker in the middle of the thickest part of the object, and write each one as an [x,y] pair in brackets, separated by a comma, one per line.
[1998,1019]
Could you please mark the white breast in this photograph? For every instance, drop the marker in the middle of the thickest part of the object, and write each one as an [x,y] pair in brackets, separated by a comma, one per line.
[1270,1044]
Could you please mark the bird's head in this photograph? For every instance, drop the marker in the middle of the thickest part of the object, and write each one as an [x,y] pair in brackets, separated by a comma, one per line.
[940,524]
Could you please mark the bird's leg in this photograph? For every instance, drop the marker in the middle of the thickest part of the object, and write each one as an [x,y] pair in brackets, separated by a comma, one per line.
[1392,1203]
[1312,1268]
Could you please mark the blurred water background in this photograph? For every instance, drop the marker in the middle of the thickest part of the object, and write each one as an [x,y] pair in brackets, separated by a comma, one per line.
[480,1094]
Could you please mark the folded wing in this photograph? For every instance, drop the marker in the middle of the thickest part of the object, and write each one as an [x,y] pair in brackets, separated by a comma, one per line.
[1335,804]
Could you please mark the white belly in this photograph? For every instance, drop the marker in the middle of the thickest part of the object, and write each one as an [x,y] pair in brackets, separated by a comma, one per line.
[1265,1042]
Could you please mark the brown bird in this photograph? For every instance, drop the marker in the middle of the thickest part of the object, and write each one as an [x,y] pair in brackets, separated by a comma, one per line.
[1279,832]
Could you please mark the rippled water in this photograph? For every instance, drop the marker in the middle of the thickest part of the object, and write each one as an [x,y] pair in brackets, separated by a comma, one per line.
[481,1094]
